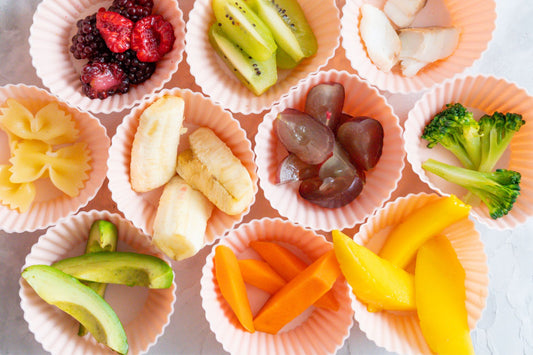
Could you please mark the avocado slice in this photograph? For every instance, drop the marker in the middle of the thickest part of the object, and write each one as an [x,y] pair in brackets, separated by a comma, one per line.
[86,306]
[119,267]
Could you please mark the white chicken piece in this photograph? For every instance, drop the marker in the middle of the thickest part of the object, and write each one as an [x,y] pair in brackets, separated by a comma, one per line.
[381,40]
[428,44]
[411,67]
[403,12]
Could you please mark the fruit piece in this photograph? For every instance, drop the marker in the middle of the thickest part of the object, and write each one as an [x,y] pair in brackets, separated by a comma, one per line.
[324,102]
[288,266]
[103,236]
[155,145]
[440,298]
[304,136]
[298,294]
[231,284]
[293,169]
[211,167]
[137,72]
[14,195]
[338,164]
[181,220]
[381,40]
[244,28]
[284,61]
[100,80]
[133,9]
[375,281]
[403,12]
[118,267]
[256,75]
[152,38]
[289,27]
[362,138]
[87,43]
[79,301]
[261,275]
[418,226]
[332,192]
[115,29]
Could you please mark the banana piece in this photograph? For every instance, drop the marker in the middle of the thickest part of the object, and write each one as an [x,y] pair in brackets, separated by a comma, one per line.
[181,219]
[210,166]
[155,145]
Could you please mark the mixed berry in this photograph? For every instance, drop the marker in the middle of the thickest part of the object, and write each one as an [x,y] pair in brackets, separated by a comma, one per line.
[122,45]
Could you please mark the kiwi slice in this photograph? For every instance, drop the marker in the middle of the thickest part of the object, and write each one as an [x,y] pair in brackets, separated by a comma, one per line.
[256,75]
[283,60]
[242,26]
[289,26]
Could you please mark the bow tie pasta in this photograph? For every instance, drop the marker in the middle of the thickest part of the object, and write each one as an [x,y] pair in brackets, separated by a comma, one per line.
[15,196]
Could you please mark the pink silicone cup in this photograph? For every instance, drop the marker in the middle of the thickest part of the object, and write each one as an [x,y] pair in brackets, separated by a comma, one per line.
[482,94]
[143,312]
[476,19]
[50,204]
[54,24]
[317,331]
[400,333]
[361,100]
[217,81]
[141,208]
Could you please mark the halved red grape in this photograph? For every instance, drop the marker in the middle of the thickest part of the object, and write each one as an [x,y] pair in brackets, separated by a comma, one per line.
[332,192]
[293,169]
[324,102]
[337,164]
[362,138]
[304,136]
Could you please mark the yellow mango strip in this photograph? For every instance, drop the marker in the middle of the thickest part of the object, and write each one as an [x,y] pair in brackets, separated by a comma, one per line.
[375,281]
[231,284]
[298,294]
[288,265]
[261,275]
[416,228]
[440,298]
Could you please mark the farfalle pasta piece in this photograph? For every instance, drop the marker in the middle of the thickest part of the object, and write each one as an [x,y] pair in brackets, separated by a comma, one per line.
[15,196]
[50,124]
[67,167]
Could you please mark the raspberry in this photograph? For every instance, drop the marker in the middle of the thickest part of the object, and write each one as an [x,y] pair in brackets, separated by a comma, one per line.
[152,38]
[87,43]
[115,29]
[100,80]
[137,71]
[133,9]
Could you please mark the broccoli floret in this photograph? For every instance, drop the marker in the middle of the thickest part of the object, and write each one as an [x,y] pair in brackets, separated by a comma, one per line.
[498,190]
[496,134]
[456,130]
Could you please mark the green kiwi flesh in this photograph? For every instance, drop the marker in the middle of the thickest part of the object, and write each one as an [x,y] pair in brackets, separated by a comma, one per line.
[284,61]
[243,27]
[289,26]
[256,75]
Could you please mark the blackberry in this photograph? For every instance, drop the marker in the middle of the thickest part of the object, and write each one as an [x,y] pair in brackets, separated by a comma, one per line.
[133,9]
[137,71]
[87,43]
[100,80]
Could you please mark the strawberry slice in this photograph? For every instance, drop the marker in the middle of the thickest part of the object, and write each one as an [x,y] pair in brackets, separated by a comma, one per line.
[115,29]
[100,80]
[152,38]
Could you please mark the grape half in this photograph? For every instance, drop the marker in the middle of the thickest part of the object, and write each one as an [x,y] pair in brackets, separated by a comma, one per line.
[293,169]
[332,192]
[324,102]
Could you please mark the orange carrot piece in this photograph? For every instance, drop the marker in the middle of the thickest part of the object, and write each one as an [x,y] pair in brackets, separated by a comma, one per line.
[261,275]
[298,294]
[288,265]
[232,286]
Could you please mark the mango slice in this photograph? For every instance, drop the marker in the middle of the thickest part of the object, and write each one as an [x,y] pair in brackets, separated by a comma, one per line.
[375,281]
[440,297]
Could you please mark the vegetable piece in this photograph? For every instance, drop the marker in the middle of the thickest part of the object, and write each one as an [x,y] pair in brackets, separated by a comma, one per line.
[440,298]
[103,236]
[288,266]
[232,286]
[375,281]
[118,267]
[498,190]
[456,130]
[86,306]
[496,133]
[421,224]
[261,275]
[298,294]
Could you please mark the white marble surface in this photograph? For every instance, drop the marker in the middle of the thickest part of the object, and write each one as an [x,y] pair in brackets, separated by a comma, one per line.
[506,326]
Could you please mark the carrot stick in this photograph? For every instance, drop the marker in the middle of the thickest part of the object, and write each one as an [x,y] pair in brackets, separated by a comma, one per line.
[298,294]
[261,275]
